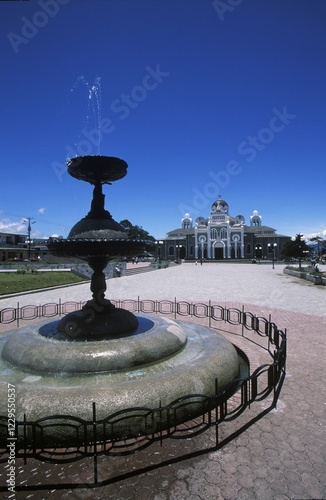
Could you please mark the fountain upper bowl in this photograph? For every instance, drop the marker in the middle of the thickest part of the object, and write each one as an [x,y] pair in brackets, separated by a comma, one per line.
[104,169]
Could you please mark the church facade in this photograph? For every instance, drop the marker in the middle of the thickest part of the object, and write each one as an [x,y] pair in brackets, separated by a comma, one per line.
[221,236]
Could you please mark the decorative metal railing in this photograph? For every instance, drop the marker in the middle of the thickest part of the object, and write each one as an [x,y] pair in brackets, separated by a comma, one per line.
[224,406]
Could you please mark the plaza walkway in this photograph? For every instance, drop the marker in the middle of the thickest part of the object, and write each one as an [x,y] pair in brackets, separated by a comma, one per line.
[246,284]
[283,455]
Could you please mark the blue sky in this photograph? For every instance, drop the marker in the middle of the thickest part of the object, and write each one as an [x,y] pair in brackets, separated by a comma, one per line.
[199,97]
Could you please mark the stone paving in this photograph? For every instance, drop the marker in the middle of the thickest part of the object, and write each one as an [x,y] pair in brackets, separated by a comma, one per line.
[281,456]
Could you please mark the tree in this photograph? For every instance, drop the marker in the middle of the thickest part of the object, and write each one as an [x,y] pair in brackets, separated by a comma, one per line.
[126,224]
[296,248]
[321,244]
[136,232]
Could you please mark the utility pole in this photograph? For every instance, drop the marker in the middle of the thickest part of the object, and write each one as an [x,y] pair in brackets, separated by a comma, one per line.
[29,228]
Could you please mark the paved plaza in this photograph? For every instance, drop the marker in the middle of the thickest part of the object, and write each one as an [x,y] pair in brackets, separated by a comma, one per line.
[281,456]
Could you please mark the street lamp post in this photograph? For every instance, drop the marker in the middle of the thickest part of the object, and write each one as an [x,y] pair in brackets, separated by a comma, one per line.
[299,243]
[178,247]
[258,252]
[272,248]
[158,254]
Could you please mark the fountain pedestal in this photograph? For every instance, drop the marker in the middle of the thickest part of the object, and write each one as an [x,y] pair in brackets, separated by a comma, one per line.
[98,318]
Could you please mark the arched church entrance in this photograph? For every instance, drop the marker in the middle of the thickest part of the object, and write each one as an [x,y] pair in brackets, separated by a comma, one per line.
[258,251]
[182,253]
[218,253]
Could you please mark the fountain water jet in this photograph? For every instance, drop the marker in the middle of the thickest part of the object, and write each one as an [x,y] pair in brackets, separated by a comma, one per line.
[94,135]
[105,354]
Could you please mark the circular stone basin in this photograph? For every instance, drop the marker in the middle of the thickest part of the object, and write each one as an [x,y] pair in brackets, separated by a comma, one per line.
[149,374]
[104,169]
[31,349]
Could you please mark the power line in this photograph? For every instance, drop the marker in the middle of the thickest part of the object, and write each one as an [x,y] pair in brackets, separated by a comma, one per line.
[39,221]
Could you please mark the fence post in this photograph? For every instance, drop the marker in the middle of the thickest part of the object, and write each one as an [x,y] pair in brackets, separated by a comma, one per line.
[216,413]
[17,314]
[25,437]
[269,330]
[161,431]
[40,311]
[95,443]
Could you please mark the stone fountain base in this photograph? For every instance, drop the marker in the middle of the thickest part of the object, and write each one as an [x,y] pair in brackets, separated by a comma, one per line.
[156,364]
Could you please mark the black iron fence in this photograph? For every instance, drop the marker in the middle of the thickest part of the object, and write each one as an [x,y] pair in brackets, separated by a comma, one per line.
[96,435]
[15,315]
[211,311]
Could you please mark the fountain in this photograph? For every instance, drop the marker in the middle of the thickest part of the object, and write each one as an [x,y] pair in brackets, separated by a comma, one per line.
[104,354]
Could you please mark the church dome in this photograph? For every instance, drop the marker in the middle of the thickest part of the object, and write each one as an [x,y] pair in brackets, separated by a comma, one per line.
[220,206]
[200,221]
[255,218]
[186,221]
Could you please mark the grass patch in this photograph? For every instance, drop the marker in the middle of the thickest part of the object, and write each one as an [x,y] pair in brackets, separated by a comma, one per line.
[16,282]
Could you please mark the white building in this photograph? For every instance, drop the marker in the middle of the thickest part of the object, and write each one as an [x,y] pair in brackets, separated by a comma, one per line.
[222,236]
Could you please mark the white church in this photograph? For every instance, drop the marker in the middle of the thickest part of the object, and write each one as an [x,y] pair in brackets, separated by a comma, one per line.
[221,236]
